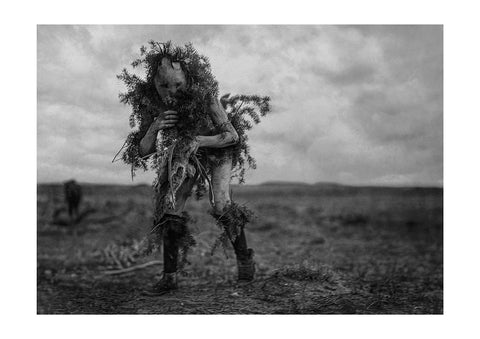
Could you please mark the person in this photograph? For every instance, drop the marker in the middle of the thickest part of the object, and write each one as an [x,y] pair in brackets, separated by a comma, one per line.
[171,83]
[73,197]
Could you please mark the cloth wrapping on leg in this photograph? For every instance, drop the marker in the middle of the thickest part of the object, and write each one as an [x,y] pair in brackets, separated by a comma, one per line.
[233,220]
[172,232]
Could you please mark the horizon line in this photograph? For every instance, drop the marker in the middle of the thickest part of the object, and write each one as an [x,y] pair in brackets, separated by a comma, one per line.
[270,182]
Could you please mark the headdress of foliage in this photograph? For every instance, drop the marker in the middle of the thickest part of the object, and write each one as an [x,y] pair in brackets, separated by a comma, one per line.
[142,95]
[146,104]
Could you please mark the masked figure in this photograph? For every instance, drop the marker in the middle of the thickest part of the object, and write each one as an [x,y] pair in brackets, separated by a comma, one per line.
[188,135]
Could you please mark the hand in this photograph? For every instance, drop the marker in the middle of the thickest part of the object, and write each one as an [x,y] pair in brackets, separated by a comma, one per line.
[165,120]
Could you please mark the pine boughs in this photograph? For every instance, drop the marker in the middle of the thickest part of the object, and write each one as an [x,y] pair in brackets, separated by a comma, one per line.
[233,219]
[243,110]
[146,104]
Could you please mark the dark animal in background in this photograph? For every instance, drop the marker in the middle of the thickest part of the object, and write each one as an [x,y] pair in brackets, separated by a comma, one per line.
[73,197]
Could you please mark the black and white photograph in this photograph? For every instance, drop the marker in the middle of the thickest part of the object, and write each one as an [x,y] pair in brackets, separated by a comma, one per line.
[240,169]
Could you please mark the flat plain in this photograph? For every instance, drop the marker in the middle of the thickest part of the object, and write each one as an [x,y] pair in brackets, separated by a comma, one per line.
[319,249]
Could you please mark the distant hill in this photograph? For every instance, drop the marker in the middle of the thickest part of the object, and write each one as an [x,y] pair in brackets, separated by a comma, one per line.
[299,183]
[283,183]
[333,185]
[328,184]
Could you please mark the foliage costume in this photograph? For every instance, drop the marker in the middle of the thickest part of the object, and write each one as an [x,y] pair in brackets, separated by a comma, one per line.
[179,164]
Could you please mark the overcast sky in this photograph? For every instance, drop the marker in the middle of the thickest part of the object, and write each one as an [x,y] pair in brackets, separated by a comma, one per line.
[354,105]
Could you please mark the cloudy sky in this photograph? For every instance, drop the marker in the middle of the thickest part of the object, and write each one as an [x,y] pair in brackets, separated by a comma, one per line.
[354,105]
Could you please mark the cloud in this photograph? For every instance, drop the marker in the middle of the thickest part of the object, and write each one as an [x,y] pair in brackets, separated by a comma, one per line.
[354,104]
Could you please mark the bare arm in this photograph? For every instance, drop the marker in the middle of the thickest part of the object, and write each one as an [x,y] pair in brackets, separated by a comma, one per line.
[168,119]
[228,137]
[147,144]
[164,120]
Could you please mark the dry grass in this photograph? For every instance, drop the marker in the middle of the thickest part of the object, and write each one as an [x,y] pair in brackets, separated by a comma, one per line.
[319,249]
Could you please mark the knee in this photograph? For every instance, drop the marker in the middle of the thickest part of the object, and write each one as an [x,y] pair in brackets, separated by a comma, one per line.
[174,226]
[221,203]
[218,210]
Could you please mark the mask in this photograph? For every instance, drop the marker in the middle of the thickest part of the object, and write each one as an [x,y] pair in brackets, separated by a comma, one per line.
[170,79]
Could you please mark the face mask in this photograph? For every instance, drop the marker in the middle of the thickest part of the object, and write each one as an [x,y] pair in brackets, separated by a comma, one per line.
[170,80]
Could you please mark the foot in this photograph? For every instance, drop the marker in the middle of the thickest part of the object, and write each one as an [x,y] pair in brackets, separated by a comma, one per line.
[246,267]
[165,285]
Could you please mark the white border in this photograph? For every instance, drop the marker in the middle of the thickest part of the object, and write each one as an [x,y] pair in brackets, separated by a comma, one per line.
[19,168]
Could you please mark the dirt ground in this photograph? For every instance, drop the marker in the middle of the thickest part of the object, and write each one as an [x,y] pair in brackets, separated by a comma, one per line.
[319,249]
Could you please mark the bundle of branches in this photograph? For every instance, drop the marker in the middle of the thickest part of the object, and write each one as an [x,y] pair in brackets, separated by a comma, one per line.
[192,106]
[243,112]
[234,217]
[146,104]
[175,145]
[177,156]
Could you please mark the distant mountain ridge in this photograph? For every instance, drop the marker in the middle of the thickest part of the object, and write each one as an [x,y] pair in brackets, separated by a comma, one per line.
[326,184]
[283,183]
[300,183]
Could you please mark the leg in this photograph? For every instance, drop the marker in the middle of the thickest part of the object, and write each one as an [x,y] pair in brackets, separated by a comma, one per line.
[245,263]
[71,218]
[182,196]
[174,229]
[71,212]
[75,212]
[70,209]
[221,185]
[221,189]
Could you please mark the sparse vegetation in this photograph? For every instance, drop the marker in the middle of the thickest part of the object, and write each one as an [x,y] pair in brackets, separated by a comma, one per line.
[319,250]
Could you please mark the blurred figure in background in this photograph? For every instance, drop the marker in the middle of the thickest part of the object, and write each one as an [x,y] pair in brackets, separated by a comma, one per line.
[73,197]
